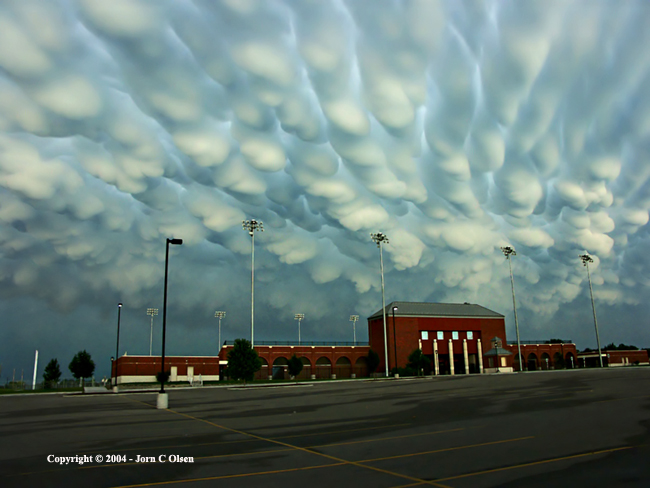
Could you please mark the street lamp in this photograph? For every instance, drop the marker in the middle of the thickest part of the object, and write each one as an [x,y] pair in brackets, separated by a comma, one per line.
[251,226]
[299,317]
[162,396]
[117,346]
[508,252]
[395,336]
[219,315]
[586,259]
[151,312]
[497,343]
[380,238]
[353,319]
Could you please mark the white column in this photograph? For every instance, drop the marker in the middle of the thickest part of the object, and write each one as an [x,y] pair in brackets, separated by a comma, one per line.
[436,364]
[465,356]
[451,357]
[480,356]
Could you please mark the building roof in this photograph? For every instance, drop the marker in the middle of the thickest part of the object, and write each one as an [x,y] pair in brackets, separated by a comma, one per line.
[420,309]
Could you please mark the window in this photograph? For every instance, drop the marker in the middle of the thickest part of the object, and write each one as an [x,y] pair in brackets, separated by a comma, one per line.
[454,335]
[425,335]
[441,335]
[470,335]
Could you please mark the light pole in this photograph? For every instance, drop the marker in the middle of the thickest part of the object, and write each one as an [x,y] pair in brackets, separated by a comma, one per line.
[353,319]
[251,226]
[117,346]
[299,317]
[586,259]
[151,312]
[508,252]
[497,343]
[395,336]
[219,315]
[380,238]
[162,396]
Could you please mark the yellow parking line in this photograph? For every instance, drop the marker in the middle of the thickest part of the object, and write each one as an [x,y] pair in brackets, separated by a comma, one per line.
[387,438]
[399,456]
[241,475]
[536,463]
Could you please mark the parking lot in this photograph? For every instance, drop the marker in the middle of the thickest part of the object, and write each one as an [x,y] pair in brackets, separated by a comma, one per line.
[562,428]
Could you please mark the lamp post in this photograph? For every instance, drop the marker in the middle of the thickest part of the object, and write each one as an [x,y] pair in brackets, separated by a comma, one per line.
[496,343]
[151,312]
[162,396]
[380,238]
[219,315]
[353,319]
[251,226]
[299,317]
[508,252]
[395,336]
[586,259]
[117,346]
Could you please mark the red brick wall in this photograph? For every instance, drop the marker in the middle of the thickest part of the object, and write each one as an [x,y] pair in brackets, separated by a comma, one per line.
[409,329]
[616,357]
[151,365]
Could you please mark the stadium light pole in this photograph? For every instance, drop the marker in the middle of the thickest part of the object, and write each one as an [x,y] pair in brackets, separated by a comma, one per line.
[394,335]
[380,238]
[117,346]
[353,319]
[219,314]
[299,317]
[508,253]
[151,312]
[162,396]
[251,226]
[586,259]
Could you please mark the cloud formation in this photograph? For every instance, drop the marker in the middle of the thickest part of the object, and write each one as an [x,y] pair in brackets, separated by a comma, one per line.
[453,127]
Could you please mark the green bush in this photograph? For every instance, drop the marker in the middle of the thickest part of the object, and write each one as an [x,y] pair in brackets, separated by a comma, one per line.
[402,372]
[163,377]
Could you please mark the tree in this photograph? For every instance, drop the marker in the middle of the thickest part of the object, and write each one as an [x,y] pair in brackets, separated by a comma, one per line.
[372,360]
[418,361]
[82,366]
[243,361]
[294,366]
[52,373]
[163,377]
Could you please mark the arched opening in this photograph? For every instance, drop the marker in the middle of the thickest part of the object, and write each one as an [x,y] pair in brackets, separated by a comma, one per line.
[546,361]
[306,372]
[279,368]
[263,373]
[361,367]
[532,362]
[570,361]
[323,368]
[558,361]
[515,364]
[343,367]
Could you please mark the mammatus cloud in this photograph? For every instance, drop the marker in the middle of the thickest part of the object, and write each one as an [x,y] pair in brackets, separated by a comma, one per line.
[453,127]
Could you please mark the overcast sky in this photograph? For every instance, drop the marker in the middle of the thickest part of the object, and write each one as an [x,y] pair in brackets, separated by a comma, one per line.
[455,127]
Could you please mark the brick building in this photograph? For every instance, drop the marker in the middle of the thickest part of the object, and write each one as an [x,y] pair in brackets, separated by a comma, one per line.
[143,369]
[459,338]
[613,358]
[320,360]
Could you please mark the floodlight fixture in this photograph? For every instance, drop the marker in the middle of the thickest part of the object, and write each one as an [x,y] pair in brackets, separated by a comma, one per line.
[251,226]
[380,238]
[353,319]
[219,314]
[508,252]
[151,312]
[299,317]
[586,259]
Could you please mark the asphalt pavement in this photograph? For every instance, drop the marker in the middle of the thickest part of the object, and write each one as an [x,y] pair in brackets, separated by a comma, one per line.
[556,428]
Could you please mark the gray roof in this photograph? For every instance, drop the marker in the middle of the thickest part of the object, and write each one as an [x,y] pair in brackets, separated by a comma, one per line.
[419,309]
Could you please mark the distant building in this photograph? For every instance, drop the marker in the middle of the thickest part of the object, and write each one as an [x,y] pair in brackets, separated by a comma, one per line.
[459,338]
[613,358]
